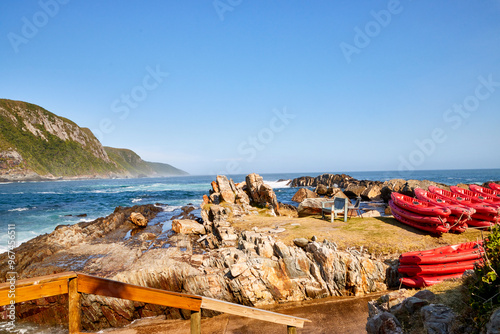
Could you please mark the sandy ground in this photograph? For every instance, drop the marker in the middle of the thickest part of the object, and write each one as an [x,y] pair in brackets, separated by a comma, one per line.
[335,315]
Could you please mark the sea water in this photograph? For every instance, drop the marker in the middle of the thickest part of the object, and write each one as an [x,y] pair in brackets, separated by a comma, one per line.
[35,208]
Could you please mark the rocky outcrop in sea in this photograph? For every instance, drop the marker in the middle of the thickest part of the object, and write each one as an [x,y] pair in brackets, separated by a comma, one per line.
[211,259]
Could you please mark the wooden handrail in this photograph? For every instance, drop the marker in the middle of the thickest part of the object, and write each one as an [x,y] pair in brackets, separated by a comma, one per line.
[74,284]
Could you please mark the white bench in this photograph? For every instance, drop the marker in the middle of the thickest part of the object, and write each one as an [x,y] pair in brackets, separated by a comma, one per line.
[338,205]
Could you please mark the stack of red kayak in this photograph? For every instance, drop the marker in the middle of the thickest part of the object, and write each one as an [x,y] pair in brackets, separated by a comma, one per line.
[460,214]
[419,214]
[486,206]
[429,267]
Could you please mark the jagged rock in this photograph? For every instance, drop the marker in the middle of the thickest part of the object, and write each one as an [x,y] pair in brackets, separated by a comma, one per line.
[390,186]
[437,318]
[310,206]
[493,326]
[288,210]
[138,219]
[187,226]
[372,193]
[302,194]
[301,242]
[321,189]
[225,189]
[425,295]
[384,323]
[354,190]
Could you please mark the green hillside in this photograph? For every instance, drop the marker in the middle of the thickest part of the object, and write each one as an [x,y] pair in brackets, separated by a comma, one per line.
[34,140]
[130,161]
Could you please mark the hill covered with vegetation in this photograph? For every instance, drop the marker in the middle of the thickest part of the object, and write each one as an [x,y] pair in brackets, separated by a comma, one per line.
[36,144]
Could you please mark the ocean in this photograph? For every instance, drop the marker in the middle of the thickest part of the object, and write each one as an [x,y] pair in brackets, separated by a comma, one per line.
[35,208]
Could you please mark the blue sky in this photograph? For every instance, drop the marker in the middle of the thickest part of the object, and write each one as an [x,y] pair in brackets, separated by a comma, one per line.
[238,86]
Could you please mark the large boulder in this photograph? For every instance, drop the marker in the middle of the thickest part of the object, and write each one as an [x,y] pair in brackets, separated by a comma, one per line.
[388,187]
[138,219]
[437,318]
[261,194]
[187,226]
[493,326]
[225,189]
[384,323]
[302,194]
[354,190]
[321,189]
[311,206]
[372,193]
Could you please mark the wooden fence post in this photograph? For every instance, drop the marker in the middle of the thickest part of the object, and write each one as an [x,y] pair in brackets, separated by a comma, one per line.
[291,329]
[196,322]
[74,307]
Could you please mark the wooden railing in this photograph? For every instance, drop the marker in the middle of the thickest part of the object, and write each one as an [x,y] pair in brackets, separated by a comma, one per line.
[74,284]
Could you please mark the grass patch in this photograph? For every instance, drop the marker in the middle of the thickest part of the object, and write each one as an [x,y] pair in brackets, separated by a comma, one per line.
[381,235]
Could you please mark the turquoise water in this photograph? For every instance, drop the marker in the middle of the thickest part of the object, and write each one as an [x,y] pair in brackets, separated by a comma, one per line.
[38,207]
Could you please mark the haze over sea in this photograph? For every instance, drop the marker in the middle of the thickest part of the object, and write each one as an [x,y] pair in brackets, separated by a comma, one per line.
[38,207]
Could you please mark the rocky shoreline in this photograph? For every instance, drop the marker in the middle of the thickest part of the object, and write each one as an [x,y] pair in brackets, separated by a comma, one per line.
[246,267]
[199,251]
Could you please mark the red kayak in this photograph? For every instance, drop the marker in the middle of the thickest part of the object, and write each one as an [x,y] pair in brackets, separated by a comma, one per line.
[457,224]
[475,196]
[462,200]
[421,207]
[429,220]
[490,218]
[480,223]
[455,249]
[427,280]
[429,258]
[456,209]
[438,269]
[436,229]
[485,191]
[494,186]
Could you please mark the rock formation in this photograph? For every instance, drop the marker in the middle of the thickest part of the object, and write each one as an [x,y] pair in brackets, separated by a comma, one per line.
[245,267]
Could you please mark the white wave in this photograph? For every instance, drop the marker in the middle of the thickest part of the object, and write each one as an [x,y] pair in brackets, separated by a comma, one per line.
[135,200]
[278,184]
[18,209]
[48,192]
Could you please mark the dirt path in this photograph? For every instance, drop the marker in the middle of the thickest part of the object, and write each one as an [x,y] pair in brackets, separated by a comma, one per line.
[336,315]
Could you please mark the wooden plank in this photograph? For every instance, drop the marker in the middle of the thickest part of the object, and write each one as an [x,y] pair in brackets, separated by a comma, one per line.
[250,312]
[291,330]
[195,322]
[38,280]
[109,288]
[74,307]
[35,291]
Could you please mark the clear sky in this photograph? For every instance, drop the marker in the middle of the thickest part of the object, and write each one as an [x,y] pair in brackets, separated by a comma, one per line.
[237,86]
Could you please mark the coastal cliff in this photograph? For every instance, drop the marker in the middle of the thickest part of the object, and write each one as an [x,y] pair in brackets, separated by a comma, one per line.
[36,144]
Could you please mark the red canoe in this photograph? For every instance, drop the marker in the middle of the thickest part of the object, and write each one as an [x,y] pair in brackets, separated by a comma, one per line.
[438,269]
[485,191]
[462,200]
[436,229]
[494,186]
[475,196]
[480,223]
[455,249]
[429,220]
[428,280]
[421,207]
[490,218]
[456,209]
[457,224]
[428,257]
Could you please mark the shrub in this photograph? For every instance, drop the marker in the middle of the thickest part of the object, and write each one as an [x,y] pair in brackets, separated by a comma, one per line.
[485,289]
